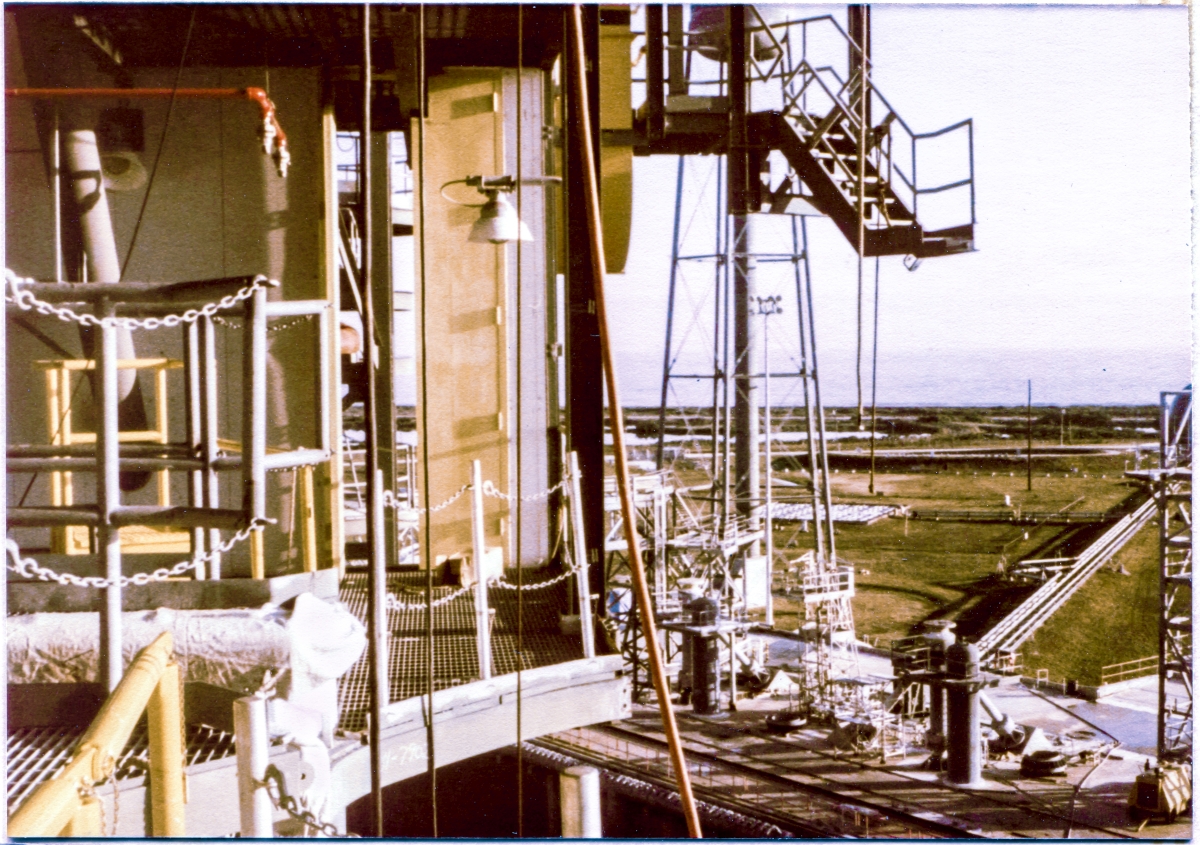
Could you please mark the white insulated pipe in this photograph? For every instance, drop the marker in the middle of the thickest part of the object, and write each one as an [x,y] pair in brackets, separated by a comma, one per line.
[82,156]
[579,801]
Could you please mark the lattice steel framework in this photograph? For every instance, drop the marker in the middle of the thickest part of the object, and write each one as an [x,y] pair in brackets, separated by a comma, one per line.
[1173,490]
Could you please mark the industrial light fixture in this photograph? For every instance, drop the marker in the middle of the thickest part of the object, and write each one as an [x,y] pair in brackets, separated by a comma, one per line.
[121,137]
[498,221]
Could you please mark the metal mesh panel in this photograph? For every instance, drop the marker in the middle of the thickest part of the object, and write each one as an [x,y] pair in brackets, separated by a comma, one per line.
[454,652]
[34,754]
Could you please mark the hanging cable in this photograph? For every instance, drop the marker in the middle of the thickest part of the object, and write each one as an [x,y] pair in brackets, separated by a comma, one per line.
[874,368]
[616,419]
[517,503]
[427,545]
[162,139]
[379,684]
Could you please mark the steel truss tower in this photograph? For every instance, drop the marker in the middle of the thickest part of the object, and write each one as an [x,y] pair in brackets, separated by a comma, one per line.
[1172,486]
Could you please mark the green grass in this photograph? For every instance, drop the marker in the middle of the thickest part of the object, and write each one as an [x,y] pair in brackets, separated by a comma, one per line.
[907,573]
[1113,618]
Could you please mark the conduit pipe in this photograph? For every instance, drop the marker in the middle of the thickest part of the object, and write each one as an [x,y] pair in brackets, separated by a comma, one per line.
[271,132]
[617,423]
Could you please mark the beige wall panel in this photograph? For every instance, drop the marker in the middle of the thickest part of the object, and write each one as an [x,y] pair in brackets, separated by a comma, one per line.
[465,357]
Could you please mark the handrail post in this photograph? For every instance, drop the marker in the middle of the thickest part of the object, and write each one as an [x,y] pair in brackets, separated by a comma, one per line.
[88,820]
[483,634]
[165,722]
[579,553]
[250,732]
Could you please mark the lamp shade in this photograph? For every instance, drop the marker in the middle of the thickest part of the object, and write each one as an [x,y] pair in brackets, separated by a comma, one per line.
[498,222]
[122,171]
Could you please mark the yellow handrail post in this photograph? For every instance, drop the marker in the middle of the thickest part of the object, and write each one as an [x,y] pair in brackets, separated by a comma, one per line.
[54,805]
[164,715]
[308,516]
[88,819]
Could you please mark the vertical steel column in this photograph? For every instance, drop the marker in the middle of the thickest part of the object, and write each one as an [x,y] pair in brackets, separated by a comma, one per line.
[483,634]
[768,522]
[192,413]
[808,377]
[585,378]
[655,111]
[254,422]
[823,451]
[108,498]
[676,78]
[745,411]
[208,434]
[666,378]
[579,552]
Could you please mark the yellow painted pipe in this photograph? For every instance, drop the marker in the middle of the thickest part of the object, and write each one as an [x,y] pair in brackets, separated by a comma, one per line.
[88,819]
[165,718]
[53,805]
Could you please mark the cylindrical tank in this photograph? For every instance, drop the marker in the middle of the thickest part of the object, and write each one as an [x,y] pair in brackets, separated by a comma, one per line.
[704,650]
[964,754]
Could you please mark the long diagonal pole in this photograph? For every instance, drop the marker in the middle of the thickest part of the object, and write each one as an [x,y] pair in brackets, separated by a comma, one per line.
[616,421]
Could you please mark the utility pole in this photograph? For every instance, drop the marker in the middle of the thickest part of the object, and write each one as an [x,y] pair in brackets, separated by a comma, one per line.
[1029,436]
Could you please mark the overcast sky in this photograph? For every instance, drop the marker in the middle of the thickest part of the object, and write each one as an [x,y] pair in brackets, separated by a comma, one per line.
[1082,278]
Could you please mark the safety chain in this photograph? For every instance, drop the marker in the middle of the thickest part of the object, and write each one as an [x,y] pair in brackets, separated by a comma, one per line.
[390,500]
[278,327]
[29,568]
[490,489]
[536,585]
[282,801]
[393,603]
[27,301]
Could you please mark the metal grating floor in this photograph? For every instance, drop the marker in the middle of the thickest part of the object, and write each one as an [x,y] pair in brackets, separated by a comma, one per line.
[454,655]
[34,754]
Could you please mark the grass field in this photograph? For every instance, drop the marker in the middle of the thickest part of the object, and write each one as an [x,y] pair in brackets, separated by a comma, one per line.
[908,571]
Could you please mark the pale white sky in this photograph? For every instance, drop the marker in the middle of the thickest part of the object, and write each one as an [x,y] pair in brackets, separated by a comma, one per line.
[1082,280]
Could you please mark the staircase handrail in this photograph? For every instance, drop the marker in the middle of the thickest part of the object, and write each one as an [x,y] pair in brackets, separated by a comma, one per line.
[66,804]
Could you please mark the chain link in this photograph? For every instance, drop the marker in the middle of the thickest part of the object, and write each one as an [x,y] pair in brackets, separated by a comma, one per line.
[290,805]
[393,603]
[278,327]
[30,568]
[536,585]
[490,489]
[390,500]
[26,301]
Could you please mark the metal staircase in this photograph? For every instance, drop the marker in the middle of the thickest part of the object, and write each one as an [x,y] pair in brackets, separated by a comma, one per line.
[822,122]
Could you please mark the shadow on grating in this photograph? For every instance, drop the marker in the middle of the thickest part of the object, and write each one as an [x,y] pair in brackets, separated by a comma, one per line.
[455,660]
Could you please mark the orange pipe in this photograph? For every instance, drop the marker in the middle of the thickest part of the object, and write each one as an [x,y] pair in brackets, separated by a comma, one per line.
[254,95]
